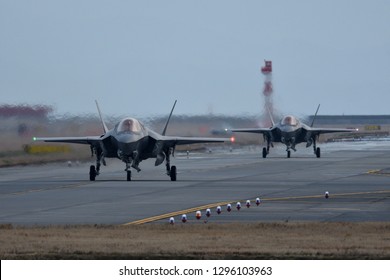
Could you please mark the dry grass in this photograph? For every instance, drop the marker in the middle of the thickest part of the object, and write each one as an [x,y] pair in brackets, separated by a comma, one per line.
[216,241]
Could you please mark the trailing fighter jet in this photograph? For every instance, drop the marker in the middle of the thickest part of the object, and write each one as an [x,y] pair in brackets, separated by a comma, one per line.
[290,131]
[132,142]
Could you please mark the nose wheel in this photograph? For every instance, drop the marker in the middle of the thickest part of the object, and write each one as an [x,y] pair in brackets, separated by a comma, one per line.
[288,154]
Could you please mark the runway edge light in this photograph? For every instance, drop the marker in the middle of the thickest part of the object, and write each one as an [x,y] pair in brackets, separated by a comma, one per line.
[229,207]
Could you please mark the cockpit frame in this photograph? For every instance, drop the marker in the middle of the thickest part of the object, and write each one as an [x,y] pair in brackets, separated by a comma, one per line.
[289,120]
[129,125]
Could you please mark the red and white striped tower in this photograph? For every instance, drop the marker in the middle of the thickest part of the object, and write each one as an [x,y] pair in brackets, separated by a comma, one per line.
[267,91]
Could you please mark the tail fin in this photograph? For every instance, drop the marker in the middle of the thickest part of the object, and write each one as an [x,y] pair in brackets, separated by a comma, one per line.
[315,115]
[101,117]
[270,116]
[166,125]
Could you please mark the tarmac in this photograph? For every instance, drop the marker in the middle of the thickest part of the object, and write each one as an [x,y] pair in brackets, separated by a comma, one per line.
[355,174]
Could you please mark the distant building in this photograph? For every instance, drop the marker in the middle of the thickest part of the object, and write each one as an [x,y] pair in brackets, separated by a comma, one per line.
[25,111]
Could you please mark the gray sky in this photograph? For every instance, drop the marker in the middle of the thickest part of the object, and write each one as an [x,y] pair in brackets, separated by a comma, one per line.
[137,57]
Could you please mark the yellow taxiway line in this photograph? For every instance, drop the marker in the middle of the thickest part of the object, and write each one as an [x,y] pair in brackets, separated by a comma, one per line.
[177,213]
[203,207]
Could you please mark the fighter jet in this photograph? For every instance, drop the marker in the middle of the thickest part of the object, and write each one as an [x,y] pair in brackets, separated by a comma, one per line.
[132,142]
[290,131]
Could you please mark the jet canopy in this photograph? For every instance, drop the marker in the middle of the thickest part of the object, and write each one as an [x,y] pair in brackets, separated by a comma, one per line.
[289,120]
[129,125]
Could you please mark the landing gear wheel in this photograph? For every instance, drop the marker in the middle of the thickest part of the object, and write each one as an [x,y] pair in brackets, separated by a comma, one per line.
[288,154]
[264,152]
[173,173]
[92,173]
[128,175]
[318,152]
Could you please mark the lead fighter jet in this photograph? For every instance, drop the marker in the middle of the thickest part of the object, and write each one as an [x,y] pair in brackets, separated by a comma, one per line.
[132,142]
[290,131]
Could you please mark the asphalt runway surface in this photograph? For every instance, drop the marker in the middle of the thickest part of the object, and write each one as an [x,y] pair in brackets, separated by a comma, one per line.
[356,175]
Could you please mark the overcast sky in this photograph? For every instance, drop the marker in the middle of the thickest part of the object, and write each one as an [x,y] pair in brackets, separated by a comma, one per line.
[137,57]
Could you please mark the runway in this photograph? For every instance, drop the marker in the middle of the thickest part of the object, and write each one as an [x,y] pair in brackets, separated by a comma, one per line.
[356,175]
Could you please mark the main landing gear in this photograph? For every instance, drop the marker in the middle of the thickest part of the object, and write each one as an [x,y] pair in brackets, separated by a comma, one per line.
[266,149]
[173,173]
[171,170]
[265,152]
[92,173]
[317,152]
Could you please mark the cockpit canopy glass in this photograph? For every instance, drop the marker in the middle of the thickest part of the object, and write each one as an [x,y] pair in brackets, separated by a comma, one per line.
[129,125]
[290,120]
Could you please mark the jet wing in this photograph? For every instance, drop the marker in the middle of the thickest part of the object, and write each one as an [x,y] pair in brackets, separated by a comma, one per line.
[178,140]
[76,140]
[252,130]
[318,131]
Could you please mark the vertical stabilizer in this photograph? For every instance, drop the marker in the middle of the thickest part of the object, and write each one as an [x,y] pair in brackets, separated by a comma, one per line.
[101,117]
[166,125]
[270,116]
[315,115]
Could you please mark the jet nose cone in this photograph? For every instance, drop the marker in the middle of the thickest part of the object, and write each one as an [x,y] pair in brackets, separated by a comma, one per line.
[128,138]
[288,129]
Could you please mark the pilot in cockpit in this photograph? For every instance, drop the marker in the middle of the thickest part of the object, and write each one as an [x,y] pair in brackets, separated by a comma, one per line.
[289,120]
[127,125]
